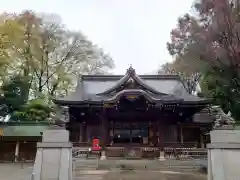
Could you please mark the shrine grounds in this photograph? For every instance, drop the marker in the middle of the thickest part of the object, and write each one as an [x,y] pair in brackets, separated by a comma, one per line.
[18,171]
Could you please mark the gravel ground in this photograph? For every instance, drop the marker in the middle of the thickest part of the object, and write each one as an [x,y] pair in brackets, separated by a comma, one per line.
[149,175]
[23,172]
[9,171]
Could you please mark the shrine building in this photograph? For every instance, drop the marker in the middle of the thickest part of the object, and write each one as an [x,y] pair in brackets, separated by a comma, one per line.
[135,111]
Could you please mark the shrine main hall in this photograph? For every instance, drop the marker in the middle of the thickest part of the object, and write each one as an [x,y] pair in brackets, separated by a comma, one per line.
[131,110]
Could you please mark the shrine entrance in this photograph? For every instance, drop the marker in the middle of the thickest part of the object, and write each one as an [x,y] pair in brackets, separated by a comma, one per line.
[130,133]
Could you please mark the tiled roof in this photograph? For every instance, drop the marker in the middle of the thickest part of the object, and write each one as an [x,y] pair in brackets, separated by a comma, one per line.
[22,130]
[98,88]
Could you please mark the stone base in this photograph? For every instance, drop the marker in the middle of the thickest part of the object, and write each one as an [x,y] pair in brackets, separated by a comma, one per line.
[161,156]
[224,155]
[103,155]
[54,156]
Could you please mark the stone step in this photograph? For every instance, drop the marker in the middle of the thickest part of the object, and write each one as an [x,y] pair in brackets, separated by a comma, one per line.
[153,165]
[86,165]
[90,174]
[88,177]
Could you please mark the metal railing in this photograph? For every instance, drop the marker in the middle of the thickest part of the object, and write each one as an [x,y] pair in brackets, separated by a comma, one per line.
[151,152]
[172,150]
[84,152]
[185,153]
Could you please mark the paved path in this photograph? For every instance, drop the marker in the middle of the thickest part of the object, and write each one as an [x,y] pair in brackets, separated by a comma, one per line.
[19,172]
[9,171]
[140,175]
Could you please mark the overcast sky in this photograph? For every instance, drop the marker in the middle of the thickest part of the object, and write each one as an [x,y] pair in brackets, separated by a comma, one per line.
[131,31]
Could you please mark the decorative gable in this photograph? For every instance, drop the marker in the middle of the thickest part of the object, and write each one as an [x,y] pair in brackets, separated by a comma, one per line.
[130,81]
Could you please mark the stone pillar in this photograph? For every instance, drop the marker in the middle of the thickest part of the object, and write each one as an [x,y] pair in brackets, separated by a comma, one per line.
[224,155]
[16,155]
[161,155]
[54,156]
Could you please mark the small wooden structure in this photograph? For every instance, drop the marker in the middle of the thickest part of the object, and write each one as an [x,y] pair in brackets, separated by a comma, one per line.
[18,140]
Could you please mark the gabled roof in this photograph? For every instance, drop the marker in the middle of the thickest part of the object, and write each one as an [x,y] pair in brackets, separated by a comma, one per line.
[130,75]
[106,88]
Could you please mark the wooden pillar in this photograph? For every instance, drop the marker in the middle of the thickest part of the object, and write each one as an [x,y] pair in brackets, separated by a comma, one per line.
[161,138]
[181,134]
[16,152]
[154,127]
[80,132]
[161,141]
[104,134]
[84,131]
[202,140]
[107,126]
[150,133]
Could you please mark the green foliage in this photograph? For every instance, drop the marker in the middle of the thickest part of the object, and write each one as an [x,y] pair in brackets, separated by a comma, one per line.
[13,94]
[223,91]
[47,58]
[48,54]
[209,42]
[34,110]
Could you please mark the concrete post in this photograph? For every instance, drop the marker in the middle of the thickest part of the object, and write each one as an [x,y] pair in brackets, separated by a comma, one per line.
[103,155]
[54,156]
[224,155]
[161,156]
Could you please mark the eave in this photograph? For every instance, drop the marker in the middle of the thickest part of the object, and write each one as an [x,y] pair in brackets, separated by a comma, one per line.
[101,103]
[118,77]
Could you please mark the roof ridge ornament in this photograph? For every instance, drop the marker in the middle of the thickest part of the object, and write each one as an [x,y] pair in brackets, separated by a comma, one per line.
[130,70]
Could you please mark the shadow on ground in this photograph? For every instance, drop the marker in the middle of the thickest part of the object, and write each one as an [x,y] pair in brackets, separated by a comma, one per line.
[10,171]
[150,175]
